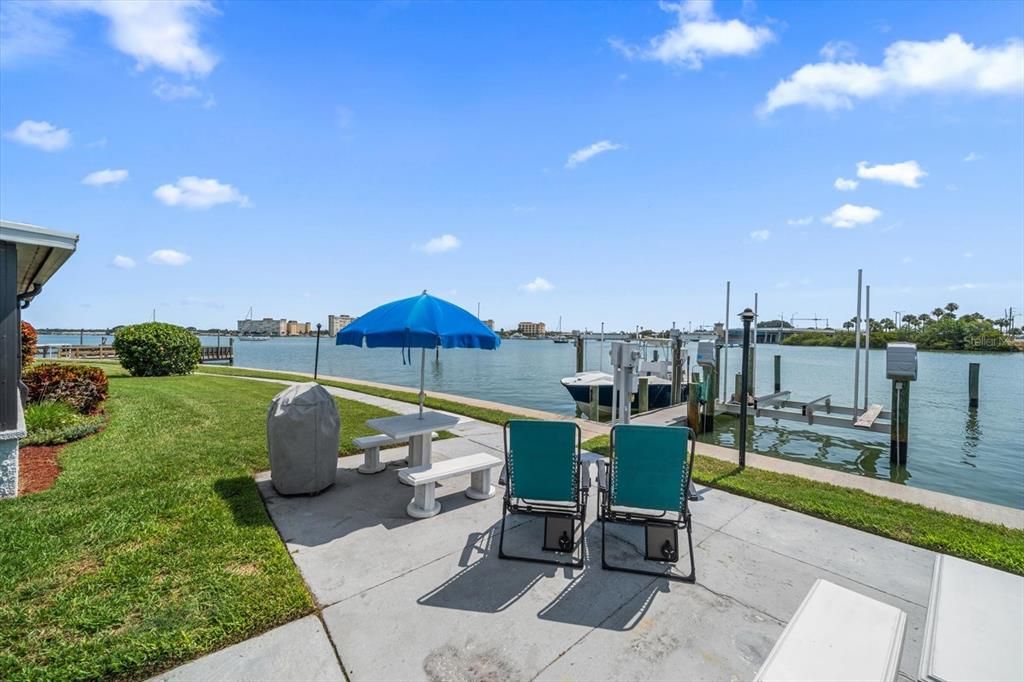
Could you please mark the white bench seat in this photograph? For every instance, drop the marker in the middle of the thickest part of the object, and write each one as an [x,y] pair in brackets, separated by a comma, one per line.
[425,478]
[838,634]
[371,445]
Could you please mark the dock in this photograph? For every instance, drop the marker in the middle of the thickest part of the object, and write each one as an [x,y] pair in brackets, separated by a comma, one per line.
[207,354]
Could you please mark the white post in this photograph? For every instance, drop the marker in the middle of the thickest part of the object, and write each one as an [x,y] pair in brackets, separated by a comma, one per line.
[725,351]
[867,341]
[600,353]
[423,365]
[856,350]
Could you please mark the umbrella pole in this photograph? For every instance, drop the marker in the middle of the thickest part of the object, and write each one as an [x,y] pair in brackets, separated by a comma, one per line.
[423,364]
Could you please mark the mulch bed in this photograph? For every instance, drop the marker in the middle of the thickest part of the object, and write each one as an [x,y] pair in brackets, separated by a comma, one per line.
[37,468]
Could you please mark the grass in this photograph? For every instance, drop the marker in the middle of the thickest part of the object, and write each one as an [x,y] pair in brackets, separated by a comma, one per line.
[153,547]
[985,543]
[492,416]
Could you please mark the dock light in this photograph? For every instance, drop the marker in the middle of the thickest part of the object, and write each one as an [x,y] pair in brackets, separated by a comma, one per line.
[747,316]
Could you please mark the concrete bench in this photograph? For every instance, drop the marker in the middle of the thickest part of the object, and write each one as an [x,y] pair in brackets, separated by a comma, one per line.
[424,479]
[838,634]
[371,445]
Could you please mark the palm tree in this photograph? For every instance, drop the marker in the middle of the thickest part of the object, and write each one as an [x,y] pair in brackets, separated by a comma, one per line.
[925,318]
[938,313]
[951,308]
[848,325]
[887,324]
[911,320]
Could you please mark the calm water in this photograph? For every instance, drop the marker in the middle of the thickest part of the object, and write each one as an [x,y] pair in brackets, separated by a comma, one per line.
[972,453]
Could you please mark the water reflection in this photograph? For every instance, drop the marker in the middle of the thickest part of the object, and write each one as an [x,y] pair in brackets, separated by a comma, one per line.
[972,437]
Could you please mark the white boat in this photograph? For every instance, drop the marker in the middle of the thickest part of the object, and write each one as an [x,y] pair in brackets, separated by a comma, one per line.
[659,388]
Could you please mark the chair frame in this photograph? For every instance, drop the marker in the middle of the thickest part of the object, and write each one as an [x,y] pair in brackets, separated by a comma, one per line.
[575,511]
[680,521]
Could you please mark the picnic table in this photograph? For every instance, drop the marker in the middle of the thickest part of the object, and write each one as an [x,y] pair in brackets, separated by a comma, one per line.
[417,429]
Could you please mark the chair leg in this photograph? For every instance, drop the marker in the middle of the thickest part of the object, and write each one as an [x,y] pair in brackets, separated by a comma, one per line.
[573,561]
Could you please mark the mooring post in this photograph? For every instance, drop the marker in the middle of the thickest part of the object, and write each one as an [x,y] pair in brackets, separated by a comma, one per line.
[900,424]
[747,316]
[973,379]
[316,358]
[693,407]
[677,368]
[643,399]
[711,398]
[579,353]
[778,373]
[737,386]
[595,403]
[231,346]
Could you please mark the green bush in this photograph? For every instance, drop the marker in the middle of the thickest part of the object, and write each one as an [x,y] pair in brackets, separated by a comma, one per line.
[52,423]
[29,338]
[156,349]
[80,386]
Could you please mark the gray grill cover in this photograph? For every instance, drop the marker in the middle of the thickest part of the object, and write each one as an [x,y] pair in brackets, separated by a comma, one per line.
[302,437]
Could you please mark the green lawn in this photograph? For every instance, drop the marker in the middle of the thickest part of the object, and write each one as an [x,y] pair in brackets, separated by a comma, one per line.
[985,543]
[153,547]
[481,413]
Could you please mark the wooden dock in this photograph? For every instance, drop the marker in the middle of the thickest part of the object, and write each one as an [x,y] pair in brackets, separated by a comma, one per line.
[107,352]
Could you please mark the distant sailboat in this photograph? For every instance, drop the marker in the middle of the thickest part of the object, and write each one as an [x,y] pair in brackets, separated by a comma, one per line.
[560,338]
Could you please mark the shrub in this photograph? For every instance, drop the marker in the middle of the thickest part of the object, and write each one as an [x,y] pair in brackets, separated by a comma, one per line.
[53,423]
[80,386]
[28,344]
[156,349]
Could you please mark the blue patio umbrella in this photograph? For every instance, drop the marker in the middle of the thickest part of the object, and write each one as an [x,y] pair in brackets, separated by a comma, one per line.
[422,322]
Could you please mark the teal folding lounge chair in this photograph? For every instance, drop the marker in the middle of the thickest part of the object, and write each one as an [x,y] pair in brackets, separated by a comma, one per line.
[647,485]
[544,478]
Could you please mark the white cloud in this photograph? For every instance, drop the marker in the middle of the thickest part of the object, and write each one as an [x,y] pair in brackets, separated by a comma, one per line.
[965,285]
[169,257]
[844,185]
[157,33]
[123,262]
[973,156]
[760,235]
[806,220]
[906,173]
[193,192]
[105,177]
[849,215]
[906,259]
[968,254]
[838,50]
[172,91]
[948,65]
[446,242]
[583,155]
[538,285]
[41,134]
[27,32]
[698,35]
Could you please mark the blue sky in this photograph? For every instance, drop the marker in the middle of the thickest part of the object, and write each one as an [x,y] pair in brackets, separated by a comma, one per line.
[603,162]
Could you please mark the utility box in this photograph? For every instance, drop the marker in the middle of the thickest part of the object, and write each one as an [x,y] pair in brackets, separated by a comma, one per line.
[706,354]
[901,361]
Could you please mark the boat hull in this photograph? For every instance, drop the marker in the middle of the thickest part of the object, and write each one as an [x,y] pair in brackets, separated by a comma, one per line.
[658,395]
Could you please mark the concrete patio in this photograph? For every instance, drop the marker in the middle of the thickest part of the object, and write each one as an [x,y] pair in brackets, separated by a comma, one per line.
[430,599]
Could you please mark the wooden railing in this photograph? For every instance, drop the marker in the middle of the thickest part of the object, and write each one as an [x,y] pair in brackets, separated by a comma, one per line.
[106,352]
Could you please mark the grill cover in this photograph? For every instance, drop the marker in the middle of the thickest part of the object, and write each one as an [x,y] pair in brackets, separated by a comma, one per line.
[302,437]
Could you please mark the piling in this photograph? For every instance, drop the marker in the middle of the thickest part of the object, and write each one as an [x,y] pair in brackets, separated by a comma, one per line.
[643,398]
[693,408]
[709,400]
[579,353]
[677,369]
[778,373]
[747,316]
[737,387]
[231,345]
[900,423]
[973,380]
[595,404]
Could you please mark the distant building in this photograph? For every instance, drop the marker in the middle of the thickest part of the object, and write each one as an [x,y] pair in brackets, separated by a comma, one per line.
[532,328]
[266,327]
[336,323]
[489,324]
[294,328]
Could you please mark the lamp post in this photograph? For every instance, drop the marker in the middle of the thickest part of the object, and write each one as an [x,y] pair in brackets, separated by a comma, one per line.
[747,316]
[316,357]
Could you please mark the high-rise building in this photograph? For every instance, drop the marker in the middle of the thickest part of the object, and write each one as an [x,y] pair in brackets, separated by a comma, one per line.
[336,323]
[489,324]
[294,328]
[532,328]
[266,327]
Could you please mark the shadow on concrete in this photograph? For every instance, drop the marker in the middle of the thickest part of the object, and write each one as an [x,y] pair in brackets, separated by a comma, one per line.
[355,502]
[243,499]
